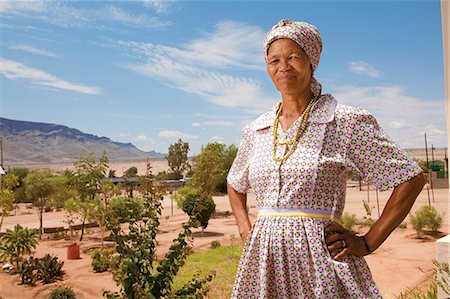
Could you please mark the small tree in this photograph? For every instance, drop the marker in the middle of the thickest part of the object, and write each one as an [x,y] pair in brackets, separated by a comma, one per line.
[9,182]
[177,158]
[16,243]
[211,167]
[19,191]
[99,213]
[137,252]
[38,187]
[87,180]
[130,173]
[6,203]
[199,208]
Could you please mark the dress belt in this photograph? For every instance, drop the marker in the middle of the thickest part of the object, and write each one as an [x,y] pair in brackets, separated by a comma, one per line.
[311,213]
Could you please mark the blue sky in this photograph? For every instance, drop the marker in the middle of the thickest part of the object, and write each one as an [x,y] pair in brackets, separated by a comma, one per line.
[150,72]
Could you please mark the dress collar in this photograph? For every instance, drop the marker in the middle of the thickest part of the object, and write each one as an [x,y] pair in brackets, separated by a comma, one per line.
[322,112]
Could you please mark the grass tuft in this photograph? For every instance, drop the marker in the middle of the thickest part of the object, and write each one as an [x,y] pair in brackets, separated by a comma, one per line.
[222,260]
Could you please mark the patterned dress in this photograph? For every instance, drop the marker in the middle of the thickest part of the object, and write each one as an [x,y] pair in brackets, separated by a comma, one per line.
[285,255]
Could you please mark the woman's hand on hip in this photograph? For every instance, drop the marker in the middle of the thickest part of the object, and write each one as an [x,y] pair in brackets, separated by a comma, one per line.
[341,242]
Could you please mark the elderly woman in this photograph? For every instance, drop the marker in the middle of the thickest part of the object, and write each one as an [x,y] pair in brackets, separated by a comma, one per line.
[296,157]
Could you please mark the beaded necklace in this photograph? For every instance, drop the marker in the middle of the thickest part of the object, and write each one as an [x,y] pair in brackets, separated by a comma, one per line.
[300,130]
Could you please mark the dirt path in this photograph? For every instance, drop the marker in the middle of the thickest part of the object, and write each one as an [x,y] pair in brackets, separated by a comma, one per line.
[402,262]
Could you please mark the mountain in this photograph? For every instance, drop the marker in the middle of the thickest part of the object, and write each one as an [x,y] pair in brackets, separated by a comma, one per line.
[33,143]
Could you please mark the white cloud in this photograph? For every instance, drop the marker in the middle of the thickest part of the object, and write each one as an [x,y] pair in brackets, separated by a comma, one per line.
[117,14]
[17,71]
[159,6]
[399,124]
[33,50]
[405,118]
[21,6]
[218,123]
[176,134]
[361,67]
[66,15]
[124,135]
[140,138]
[200,66]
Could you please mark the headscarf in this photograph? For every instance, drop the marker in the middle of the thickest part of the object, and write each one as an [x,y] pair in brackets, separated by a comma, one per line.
[307,36]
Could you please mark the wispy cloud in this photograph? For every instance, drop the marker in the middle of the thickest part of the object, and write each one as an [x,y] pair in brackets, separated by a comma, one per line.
[33,50]
[361,67]
[176,134]
[17,71]
[117,14]
[159,6]
[405,118]
[218,123]
[66,15]
[203,66]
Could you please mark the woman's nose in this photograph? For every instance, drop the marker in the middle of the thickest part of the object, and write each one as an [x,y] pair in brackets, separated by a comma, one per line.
[284,65]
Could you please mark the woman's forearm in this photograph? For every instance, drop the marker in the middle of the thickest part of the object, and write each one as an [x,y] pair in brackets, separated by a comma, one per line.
[395,211]
[238,202]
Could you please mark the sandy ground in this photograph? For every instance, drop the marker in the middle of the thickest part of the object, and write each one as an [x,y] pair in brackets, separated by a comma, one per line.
[401,263]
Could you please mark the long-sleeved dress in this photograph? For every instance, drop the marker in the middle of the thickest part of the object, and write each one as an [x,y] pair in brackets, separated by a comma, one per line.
[285,255]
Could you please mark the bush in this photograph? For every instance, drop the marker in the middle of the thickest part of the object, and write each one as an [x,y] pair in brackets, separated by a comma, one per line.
[16,243]
[28,271]
[348,220]
[184,193]
[200,209]
[124,208]
[215,244]
[136,269]
[49,269]
[426,217]
[368,218]
[101,259]
[62,292]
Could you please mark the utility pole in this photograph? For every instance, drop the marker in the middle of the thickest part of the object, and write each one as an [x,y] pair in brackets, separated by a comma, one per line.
[426,151]
[432,153]
[1,152]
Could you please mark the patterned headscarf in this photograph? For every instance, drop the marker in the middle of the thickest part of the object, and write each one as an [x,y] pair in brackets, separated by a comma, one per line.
[307,36]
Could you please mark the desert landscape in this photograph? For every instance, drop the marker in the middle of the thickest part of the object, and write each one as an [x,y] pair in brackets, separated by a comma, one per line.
[403,262]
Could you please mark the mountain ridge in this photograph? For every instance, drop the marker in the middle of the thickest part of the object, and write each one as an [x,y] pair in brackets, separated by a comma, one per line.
[38,142]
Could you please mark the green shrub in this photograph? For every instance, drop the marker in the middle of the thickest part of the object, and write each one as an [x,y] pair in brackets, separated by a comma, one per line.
[348,220]
[28,271]
[46,269]
[101,259]
[124,208]
[185,193]
[200,209]
[17,242]
[368,218]
[215,244]
[137,272]
[62,292]
[49,269]
[403,225]
[426,217]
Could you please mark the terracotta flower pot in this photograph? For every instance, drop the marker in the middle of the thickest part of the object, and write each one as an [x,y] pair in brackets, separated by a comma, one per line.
[73,251]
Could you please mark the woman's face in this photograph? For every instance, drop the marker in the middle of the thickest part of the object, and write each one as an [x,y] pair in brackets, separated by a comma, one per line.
[289,67]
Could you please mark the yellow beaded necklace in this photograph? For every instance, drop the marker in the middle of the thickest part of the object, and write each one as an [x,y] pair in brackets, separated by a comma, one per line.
[300,130]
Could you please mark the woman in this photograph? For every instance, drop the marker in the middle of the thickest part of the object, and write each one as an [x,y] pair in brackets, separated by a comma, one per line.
[296,157]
